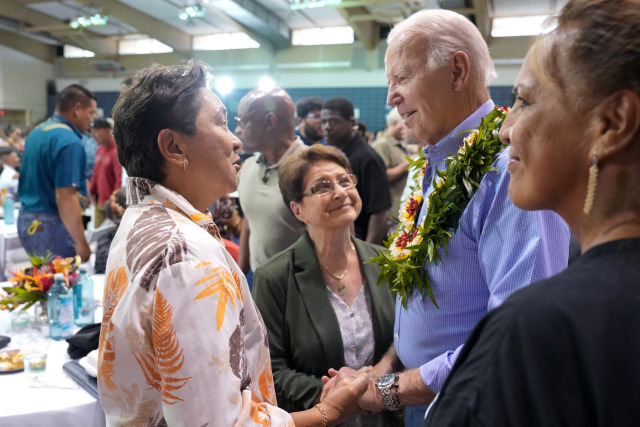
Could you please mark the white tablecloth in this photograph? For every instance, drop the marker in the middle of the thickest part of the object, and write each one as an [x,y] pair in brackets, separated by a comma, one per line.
[60,403]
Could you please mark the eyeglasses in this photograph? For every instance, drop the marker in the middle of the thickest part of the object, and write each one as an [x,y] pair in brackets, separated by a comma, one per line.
[324,187]
[313,116]
[243,120]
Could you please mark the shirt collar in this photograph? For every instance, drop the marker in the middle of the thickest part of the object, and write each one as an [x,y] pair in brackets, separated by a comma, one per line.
[68,123]
[452,142]
[142,191]
[293,148]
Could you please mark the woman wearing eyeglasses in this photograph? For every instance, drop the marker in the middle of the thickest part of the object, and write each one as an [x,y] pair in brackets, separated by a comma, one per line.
[318,298]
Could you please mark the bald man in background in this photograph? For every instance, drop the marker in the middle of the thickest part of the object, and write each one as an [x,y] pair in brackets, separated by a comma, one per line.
[265,124]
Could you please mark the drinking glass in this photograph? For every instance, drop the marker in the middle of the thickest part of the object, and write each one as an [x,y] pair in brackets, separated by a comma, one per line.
[34,355]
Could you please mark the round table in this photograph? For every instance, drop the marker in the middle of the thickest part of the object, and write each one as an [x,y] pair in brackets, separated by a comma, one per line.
[59,403]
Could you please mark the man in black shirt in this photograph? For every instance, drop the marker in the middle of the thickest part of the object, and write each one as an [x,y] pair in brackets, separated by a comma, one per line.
[373,186]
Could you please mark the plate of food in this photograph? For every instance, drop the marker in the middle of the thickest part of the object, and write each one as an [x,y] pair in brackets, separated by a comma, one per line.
[11,362]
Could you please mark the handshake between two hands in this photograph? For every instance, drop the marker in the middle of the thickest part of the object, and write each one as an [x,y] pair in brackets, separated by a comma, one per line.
[352,392]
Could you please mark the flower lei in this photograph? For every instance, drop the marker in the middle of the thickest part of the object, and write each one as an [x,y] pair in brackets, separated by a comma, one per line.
[413,245]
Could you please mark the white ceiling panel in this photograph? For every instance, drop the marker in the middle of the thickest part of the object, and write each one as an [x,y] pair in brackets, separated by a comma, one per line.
[504,8]
[270,20]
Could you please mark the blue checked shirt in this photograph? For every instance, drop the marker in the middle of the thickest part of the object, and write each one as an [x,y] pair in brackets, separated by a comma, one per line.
[497,250]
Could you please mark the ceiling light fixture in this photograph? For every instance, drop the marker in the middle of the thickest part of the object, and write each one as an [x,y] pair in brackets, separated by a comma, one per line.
[89,21]
[521,26]
[266,83]
[310,4]
[223,85]
[187,12]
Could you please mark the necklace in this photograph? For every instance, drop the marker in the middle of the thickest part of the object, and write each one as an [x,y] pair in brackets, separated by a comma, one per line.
[342,289]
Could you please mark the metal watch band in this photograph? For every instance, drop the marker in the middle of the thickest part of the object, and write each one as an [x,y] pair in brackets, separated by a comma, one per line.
[387,395]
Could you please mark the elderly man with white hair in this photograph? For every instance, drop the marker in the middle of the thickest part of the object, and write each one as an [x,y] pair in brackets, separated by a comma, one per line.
[438,65]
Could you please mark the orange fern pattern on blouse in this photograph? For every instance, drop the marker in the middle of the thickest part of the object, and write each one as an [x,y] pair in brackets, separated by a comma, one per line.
[267,389]
[115,286]
[183,343]
[219,281]
[159,368]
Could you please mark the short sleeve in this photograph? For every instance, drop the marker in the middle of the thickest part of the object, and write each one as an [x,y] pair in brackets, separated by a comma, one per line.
[69,166]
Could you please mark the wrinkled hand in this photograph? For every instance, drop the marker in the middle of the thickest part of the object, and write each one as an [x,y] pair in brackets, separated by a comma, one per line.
[342,401]
[334,378]
[369,401]
[329,383]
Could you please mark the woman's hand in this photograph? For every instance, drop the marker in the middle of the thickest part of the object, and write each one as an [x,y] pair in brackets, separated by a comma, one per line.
[370,400]
[342,401]
[330,381]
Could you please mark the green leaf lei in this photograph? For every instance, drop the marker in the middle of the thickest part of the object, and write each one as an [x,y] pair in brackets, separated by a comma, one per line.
[414,245]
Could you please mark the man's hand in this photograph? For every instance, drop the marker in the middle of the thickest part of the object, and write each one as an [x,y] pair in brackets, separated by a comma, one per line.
[70,213]
[83,250]
[370,400]
[329,382]
[342,402]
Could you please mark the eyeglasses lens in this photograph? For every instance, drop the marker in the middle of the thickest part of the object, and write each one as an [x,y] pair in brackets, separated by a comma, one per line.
[322,188]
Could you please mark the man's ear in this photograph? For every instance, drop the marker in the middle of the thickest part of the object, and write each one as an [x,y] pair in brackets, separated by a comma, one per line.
[77,107]
[171,147]
[270,120]
[461,69]
[616,124]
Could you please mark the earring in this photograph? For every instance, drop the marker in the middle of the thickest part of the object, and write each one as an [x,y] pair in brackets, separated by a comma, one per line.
[591,186]
[184,165]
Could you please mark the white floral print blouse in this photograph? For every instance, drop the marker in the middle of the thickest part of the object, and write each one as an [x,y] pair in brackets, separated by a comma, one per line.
[182,343]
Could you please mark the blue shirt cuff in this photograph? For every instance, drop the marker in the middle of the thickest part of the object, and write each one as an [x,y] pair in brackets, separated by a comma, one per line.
[435,372]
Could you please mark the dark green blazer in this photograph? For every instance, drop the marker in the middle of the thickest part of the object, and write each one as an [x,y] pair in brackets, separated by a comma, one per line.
[304,334]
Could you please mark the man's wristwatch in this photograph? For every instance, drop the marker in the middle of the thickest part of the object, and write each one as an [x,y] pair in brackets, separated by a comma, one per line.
[388,386]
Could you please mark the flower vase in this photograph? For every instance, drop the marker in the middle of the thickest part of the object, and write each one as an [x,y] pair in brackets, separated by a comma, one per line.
[41,313]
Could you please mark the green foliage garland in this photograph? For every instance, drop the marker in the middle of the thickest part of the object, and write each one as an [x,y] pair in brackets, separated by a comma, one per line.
[414,246]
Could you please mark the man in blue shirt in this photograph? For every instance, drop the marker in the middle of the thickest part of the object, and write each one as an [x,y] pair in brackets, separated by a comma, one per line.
[309,127]
[52,179]
[438,65]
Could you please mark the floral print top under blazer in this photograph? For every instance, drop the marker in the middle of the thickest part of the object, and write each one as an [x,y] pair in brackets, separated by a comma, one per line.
[182,343]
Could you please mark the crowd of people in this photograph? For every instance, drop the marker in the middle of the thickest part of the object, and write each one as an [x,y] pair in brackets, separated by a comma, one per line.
[265,310]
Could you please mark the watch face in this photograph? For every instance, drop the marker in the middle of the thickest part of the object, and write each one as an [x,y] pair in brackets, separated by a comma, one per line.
[386,380]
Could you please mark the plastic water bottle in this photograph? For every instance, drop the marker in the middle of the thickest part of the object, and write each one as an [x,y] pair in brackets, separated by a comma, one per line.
[83,309]
[7,206]
[60,306]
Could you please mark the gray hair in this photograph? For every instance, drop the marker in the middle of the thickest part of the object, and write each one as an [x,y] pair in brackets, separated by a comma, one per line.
[393,116]
[444,33]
